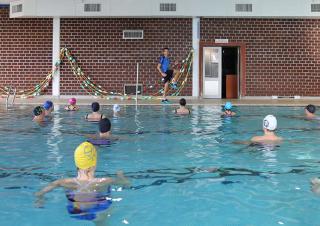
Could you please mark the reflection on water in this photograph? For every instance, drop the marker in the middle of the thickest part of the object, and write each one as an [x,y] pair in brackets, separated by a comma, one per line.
[55,138]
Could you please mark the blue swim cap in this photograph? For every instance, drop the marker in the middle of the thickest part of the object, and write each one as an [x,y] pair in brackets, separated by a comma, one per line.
[47,105]
[228,106]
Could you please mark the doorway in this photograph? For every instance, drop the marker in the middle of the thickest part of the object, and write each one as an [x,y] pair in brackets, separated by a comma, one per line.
[230,72]
[220,71]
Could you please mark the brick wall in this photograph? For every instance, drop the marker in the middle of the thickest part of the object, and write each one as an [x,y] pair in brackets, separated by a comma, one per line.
[25,50]
[283,55]
[111,61]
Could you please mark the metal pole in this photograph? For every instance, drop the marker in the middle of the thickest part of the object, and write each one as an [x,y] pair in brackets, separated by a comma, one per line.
[8,96]
[14,96]
[137,82]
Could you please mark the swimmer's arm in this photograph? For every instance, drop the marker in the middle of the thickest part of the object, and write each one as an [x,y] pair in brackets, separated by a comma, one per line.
[91,136]
[52,186]
[119,180]
[255,139]
[242,142]
[315,181]
[39,195]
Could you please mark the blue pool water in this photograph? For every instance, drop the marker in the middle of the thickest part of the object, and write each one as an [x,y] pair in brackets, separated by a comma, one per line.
[166,157]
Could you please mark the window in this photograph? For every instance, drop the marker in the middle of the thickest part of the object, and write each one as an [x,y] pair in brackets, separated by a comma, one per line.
[168,7]
[133,34]
[92,7]
[243,7]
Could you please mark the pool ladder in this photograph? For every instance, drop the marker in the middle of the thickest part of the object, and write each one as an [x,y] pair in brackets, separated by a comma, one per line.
[10,90]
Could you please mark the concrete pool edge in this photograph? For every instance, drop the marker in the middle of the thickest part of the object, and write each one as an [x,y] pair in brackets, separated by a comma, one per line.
[247,101]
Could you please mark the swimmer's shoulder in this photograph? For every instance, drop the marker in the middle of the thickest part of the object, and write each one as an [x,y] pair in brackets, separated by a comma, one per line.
[104,180]
[71,108]
[257,139]
[65,182]
[180,112]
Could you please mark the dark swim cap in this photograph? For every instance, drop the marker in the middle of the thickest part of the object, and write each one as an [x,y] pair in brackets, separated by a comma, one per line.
[183,102]
[311,108]
[38,110]
[104,125]
[95,106]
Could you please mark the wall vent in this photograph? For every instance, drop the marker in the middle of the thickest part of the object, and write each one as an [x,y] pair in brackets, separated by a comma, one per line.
[92,7]
[168,7]
[315,7]
[130,89]
[133,34]
[16,8]
[243,7]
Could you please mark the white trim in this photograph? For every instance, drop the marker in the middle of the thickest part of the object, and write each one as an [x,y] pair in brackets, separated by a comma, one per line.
[195,46]
[185,8]
[56,55]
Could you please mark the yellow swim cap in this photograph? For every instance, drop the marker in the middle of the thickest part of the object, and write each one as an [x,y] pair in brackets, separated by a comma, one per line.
[85,156]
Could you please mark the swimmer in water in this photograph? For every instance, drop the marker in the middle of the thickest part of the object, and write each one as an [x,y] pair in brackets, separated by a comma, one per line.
[48,106]
[95,116]
[269,137]
[39,114]
[182,110]
[315,185]
[104,128]
[116,110]
[269,128]
[310,111]
[88,196]
[228,110]
[72,105]
[104,131]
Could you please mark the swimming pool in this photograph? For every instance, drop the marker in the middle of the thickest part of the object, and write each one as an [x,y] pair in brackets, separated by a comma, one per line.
[166,157]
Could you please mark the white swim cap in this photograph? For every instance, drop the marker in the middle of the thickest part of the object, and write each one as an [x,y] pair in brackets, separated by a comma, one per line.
[116,108]
[270,123]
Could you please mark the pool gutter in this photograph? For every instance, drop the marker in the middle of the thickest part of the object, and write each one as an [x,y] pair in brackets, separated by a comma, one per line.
[247,101]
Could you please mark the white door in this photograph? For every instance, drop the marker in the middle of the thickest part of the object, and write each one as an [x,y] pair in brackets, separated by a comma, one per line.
[212,72]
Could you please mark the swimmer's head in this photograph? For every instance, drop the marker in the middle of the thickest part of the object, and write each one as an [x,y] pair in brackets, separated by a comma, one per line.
[95,106]
[116,108]
[311,108]
[104,125]
[85,156]
[37,111]
[72,101]
[228,106]
[165,51]
[48,105]
[183,102]
[270,123]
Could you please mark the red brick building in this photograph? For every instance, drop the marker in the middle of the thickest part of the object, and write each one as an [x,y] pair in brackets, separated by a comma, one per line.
[241,56]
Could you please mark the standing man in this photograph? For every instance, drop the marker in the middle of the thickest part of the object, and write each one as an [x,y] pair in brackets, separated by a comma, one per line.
[167,74]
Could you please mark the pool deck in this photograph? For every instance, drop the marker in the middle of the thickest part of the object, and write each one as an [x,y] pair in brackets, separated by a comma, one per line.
[85,100]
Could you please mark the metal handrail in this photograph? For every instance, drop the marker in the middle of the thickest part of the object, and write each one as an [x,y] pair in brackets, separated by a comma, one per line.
[10,88]
[8,96]
[14,95]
